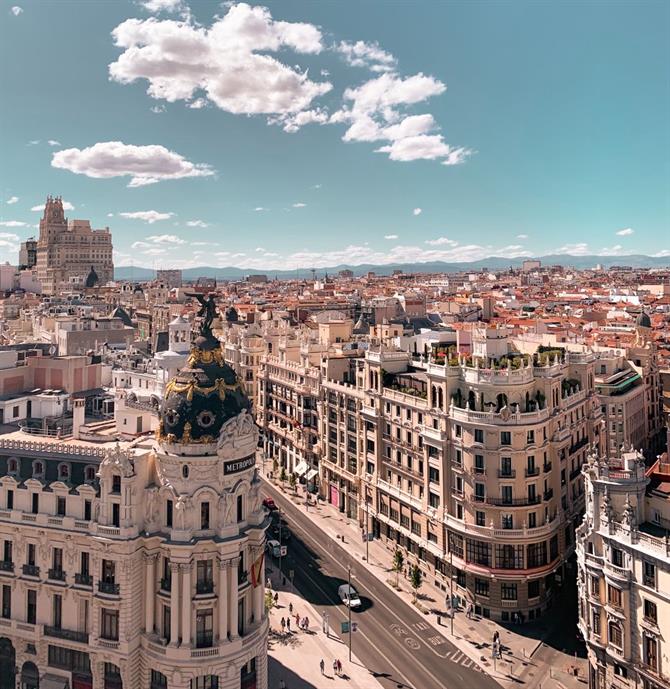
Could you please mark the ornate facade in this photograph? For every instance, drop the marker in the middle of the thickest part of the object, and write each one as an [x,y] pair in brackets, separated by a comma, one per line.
[139,566]
[70,253]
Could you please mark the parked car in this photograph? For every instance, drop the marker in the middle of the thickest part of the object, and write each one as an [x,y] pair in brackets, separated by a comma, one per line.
[349,596]
[269,504]
[273,547]
[285,532]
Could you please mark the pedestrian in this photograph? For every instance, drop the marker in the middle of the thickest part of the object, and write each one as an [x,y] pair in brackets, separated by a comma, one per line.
[283,624]
[339,667]
[306,623]
[297,619]
[288,625]
[290,608]
[276,598]
[282,684]
[335,666]
[322,665]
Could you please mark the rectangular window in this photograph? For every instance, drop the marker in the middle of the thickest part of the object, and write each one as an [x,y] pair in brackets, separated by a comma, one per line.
[109,624]
[7,552]
[534,588]
[57,611]
[116,515]
[204,515]
[84,564]
[650,652]
[433,500]
[31,606]
[506,493]
[6,602]
[479,464]
[10,499]
[508,591]
[507,521]
[530,437]
[433,475]
[478,552]
[615,634]
[108,571]
[536,554]
[204,628]
[87,510]
[614,596]
[168,513]
[650,611]
[30,555]
[649,574]
[509,556]
[481,587]
[456,544]
[240,508]
[205,576]
[35,503]
[479,435]
[60,506]
[505,438]
[480,492]
[480,518]
[617,557]
[116,484]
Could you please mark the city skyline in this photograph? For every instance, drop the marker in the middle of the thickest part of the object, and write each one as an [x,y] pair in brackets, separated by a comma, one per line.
[422,133]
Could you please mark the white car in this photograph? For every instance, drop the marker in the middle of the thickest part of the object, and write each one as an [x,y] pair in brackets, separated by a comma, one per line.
[349,596]
[273,547]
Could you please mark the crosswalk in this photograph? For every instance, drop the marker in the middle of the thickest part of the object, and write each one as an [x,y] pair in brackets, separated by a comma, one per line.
[438,641]
[459,658]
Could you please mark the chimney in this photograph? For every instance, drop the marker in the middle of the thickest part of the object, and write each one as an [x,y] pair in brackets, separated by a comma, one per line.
[78,408]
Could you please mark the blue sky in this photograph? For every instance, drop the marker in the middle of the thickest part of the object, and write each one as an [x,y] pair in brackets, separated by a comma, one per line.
[307,134]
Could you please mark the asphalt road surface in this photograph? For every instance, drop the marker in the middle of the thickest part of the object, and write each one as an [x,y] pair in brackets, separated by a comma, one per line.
[394,641]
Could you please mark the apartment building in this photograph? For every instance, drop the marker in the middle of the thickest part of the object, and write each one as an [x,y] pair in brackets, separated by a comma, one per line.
[138,565]
[471,463]
[623,555]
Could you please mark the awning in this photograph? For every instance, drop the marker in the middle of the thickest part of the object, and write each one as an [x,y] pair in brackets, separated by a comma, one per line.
[301,468]
[50,681]
[311,474]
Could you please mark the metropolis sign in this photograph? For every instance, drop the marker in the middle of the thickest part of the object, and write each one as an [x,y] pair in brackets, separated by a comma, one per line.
[237,465]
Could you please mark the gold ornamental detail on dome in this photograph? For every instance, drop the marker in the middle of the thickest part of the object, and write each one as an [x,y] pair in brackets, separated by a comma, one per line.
[192,388]
[205,356]
[171,438]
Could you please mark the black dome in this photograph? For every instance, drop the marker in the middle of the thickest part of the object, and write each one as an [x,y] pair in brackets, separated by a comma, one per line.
[231,314]
[92,278]
[643,320]
[202,396]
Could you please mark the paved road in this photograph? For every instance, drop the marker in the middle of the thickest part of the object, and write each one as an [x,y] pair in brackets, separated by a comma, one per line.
[394,641]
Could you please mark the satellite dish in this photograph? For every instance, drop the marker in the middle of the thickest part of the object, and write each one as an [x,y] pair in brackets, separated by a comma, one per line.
[52,350]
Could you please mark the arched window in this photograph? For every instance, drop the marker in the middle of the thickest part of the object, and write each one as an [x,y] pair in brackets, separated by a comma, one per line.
[184,471]
[89,474]
[64,471]
[12,466]
[38,469]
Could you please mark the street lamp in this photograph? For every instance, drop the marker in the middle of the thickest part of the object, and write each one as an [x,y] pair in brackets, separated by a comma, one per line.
[349,606]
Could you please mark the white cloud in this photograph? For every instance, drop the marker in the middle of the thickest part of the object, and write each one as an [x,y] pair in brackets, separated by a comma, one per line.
[580,249]
[229,63]
[259,248]
[390,236]
[162,5]
[110,215]
[143,164]
[291,123]
[417,211]
[317,186]
[299,205]
[259,209]
[626,232]
[616,250]
[424,147]
[53,142]
[662,254]
[165,239]
[8,235]
[441,241]
[196,223]
[12,199]
[13,223]
[158,109]
[197,104]
[148,216]
[34,142]
[370,55]
[16,10]
[522,236]
[67,206]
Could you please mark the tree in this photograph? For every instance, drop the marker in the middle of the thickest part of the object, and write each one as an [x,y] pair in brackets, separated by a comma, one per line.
[398,562]
[291,481]
[282,475]
[416,579]
[269,600]
[275,466]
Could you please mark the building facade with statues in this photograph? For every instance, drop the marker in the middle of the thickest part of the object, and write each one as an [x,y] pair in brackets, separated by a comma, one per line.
[139,564]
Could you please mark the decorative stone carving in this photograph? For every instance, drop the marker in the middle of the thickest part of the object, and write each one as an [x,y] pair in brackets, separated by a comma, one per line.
[151,506]
[238,437]
[255,494]
[181,507]
[117,459]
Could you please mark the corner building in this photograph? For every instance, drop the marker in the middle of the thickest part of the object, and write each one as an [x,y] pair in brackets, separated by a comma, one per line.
[139,566]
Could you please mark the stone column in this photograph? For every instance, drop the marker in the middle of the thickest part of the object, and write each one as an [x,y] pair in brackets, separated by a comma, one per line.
[258,596]
[186,605]
[223,600]
[150,594]
[233,598]
[174,604]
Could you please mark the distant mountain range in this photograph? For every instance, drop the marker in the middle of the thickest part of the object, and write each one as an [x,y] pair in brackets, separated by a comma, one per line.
[493,263]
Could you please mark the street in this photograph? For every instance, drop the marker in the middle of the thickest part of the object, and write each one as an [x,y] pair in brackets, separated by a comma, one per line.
[393,640]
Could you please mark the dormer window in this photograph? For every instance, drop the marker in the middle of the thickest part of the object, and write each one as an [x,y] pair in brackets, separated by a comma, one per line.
[116,484]
[12,466]
[63,472]
[38,469]
[89,474]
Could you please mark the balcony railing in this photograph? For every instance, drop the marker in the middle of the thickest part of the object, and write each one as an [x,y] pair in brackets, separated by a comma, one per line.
[513,502]
[532,471]
[67,634]
[506,473]
[547,467]
[166,584]
[56,574]
[31,570]
[6,566]
[204,640]
[109,587]
[548,494]
[575,473]
[203,587]
[83,579]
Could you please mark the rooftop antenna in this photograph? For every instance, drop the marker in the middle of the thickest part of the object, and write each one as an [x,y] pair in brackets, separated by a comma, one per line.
[313,274]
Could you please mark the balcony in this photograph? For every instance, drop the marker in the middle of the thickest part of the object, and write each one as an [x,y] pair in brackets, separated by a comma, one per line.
[548,494]
[204,587]
[31,570]
[242,578]
[575,473]
[6,566]
[66,634]
[56,574]
[532,471]
[204,640]
[547,467]
[513,502]
[166,584]
[506,473]
[578,445]
[83,579]
[109,587]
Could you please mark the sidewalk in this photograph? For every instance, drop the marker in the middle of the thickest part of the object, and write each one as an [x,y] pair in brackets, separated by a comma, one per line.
[294,656]
[471,636]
